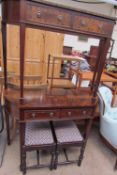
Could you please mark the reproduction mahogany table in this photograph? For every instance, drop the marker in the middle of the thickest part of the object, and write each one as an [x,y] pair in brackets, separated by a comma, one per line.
[51,104]
[57,18]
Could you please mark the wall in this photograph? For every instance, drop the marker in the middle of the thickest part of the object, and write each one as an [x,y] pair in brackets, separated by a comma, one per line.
[114,36]
[99,8]
[74,42]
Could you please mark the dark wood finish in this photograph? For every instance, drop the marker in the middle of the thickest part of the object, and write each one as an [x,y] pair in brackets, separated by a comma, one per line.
[102,63]
[4,39]
[67,50]
[100,50]
[22,47]
[54,17]
[49,16]
[51,104]
[92,56]
[93,25]
[54,104]
[41,115]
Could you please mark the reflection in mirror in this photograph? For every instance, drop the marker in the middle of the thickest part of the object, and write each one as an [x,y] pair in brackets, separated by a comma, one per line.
[79,52]
[77,58]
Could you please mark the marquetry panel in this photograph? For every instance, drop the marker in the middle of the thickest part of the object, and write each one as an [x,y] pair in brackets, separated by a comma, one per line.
[48,15]
[92,25]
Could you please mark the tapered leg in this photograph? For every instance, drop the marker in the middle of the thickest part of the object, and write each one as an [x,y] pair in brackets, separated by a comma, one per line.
[7,127]
[52,160]
[22,52]
[81,154]
[116,165]
[23,162]
[88,125]
[38,158]
[4,40]
[56,159]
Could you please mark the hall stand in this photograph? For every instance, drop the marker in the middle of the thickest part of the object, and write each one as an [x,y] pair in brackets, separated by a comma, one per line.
[54,104]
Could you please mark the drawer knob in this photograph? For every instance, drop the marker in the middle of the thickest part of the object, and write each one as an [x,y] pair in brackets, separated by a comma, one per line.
[83,23]
[69,113]
[100,26]
[38,14]
[84,112]
[33,115]
[51,114]
[60,17]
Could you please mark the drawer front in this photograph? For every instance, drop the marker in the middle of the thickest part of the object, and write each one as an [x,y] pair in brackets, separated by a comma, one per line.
[76,113]
[41,115]
[88,24]
[48,15]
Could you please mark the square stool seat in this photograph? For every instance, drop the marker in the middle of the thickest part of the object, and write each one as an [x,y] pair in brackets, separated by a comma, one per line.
[38,136]
[38,133]
[67,135]
[67,131]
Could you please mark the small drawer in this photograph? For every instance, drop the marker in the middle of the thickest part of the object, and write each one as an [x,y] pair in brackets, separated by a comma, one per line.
[43,14]
[76,113]
[89,24]
[41,115]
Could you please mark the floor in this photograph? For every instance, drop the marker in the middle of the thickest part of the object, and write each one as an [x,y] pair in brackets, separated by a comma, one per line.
[98,159]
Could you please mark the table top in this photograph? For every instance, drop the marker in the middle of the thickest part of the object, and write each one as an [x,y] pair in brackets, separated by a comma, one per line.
[53,98]
[112,74]
[68,57]
[104,78]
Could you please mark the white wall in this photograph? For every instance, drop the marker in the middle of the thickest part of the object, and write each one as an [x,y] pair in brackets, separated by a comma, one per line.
[99,8]
[74,42]
[114,36]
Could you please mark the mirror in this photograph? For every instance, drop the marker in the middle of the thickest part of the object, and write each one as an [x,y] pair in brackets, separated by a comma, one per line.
[39,45]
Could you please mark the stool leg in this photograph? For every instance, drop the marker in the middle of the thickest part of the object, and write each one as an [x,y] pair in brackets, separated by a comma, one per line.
[56,159]
[81,154]
[116,165]
[65,153]
[8,128]
[52,160]
[23,162]
[38,158]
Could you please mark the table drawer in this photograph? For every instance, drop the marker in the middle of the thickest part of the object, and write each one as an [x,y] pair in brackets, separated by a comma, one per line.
[76,113]
[89,24]
[41,115]
[43,14]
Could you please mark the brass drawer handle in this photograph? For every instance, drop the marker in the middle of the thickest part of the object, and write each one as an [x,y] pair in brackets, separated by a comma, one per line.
[38,14]
[51,114]
[84,112]
[33,115]
[69,113]
[100,26]
[83,23]
[60,17]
